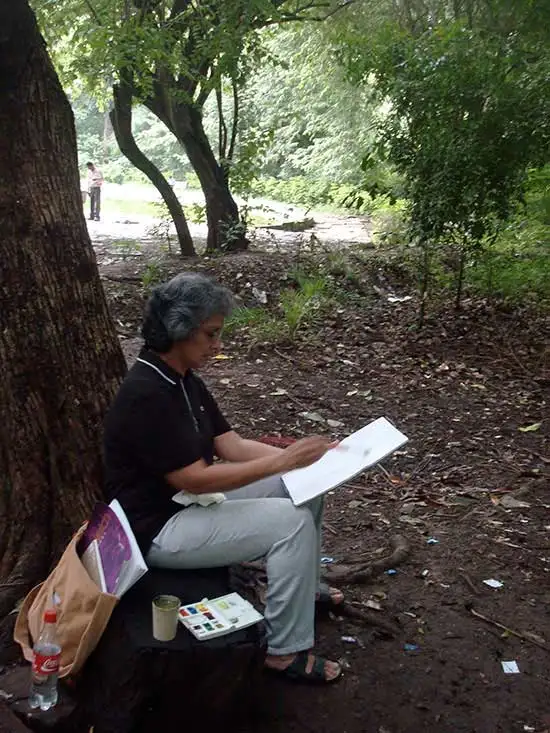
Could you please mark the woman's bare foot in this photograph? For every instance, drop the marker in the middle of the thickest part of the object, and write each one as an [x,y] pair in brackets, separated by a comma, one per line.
[302,668]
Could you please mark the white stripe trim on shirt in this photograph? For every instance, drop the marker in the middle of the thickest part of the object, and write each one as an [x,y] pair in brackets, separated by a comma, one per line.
[162,374]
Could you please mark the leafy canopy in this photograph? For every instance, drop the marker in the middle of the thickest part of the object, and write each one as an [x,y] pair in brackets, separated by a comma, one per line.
[468,103]
[195,43]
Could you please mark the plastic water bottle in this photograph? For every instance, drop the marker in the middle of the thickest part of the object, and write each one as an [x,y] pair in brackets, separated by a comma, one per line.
[45,666]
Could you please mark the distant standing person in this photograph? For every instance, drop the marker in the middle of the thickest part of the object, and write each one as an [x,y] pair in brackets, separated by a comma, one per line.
[95,181]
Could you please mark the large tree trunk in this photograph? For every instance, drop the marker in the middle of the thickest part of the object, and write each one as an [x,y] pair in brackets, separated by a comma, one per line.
[121,118]
[59,355]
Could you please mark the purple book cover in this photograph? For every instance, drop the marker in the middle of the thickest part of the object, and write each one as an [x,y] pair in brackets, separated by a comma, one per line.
[114,546]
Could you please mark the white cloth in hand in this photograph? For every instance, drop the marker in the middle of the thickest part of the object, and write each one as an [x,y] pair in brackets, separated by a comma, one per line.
[186,498]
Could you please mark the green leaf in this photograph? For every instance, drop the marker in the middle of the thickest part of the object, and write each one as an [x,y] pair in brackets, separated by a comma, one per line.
[530,428]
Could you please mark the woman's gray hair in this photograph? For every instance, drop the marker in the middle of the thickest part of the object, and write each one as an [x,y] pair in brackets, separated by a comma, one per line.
[178,307]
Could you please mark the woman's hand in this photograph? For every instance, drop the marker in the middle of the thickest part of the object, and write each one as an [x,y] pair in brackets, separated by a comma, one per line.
[305,452]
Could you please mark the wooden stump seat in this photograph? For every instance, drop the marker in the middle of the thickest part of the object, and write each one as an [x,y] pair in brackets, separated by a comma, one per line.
[135,684]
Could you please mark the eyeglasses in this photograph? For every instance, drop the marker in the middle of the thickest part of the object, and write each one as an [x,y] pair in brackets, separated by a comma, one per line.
[212,334]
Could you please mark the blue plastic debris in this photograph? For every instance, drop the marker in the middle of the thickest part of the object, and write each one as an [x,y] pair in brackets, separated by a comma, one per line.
[391,571]
[410,647]
[432,541]
[326,560]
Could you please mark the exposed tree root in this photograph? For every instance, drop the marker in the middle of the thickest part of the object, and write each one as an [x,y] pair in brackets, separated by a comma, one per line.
[370,618]
[365,572]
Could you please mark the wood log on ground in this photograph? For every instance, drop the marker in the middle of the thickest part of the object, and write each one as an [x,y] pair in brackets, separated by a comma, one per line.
[293,226]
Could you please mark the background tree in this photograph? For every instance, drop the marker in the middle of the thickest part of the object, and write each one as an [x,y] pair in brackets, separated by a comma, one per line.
[469,98]
[151,135]
[60,358]
[121,119]
[173,55]
[311,120]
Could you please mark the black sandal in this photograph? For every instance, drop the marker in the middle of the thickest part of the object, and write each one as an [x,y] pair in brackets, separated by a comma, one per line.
[297,670]
[325,601]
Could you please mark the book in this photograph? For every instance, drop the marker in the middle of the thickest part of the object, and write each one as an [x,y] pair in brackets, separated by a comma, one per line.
[208,619]
[135,568]
[91,559]
[109,551]
[353,455]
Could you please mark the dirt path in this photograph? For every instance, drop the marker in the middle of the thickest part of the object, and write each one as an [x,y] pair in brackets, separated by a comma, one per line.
[330,230]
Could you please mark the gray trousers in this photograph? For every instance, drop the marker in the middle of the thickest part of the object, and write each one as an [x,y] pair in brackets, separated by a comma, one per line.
[95,202]
[256,521]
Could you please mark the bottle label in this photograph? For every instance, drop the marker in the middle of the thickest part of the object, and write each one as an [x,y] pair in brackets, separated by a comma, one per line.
[45,664]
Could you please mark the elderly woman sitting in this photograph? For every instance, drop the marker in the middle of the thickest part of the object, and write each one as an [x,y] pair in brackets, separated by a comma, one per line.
[161,436]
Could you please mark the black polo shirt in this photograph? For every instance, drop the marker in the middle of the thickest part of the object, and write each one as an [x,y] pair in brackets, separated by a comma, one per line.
[159,422]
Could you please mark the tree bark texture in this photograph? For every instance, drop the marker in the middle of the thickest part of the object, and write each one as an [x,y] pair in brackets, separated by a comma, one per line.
[184,120]
[121,118]
[60,358]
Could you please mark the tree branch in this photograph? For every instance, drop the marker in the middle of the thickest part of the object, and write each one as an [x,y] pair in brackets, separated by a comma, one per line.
[222,127]
[363,573]
[94,12]
[297,15]
[179,7]
[234,129]
[205,72]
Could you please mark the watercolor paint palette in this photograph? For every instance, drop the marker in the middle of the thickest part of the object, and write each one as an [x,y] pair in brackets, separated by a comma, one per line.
[207,619]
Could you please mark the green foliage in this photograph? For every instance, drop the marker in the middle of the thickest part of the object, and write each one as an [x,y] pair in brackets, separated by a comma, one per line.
[300,305]
[302,191]
[390,223]
[460,129]
[177,53]
[243,171]
[311,121]
[514,266]
[468,104]
[151,276]
[340,268]
[196,213]
[512,277]
[259,324]
[96,142]
[232,231]
[517,267]
[304,122]
[297,309]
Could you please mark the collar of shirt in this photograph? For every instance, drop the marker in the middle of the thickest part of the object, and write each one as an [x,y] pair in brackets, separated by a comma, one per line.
[153,361]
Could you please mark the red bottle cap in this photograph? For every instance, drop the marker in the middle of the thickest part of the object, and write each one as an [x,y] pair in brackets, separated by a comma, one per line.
[50,616]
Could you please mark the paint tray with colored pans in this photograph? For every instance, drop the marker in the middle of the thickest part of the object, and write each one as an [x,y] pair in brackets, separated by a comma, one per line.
[210,618]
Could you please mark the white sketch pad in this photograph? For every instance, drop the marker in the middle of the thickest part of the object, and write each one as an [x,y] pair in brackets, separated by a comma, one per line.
[359,451]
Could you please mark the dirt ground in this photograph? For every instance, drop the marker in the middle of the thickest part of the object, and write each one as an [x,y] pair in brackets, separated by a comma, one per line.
[469,491]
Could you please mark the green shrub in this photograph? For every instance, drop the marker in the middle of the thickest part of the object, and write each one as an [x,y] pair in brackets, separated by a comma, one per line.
[258,323]
[512,276]
[299,305]
[308,193]
[151,276]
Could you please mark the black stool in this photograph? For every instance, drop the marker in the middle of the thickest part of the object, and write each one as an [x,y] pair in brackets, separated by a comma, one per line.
[133,683]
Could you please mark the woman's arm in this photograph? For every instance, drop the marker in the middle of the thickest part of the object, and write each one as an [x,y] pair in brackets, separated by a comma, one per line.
[200,478]
[231,447]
